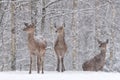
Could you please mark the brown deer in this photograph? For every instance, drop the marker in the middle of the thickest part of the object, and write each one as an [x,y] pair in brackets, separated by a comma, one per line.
[60,47]
[36,47]
[97,62]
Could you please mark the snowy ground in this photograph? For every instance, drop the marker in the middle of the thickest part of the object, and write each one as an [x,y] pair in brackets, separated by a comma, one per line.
[68,75]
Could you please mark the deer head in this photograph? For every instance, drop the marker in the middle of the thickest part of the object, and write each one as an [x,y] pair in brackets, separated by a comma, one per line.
[60,30]
[103,44]
[29,28]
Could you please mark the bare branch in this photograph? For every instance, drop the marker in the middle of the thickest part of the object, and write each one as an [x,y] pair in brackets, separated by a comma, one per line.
[13,1]
[52,3]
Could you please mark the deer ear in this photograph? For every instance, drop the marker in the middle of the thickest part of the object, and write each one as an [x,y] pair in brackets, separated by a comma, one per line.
[64,24]
[107,41]
[26,24]
[99,41]
[33,24]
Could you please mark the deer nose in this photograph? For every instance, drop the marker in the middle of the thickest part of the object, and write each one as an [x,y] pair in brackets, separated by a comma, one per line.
[55,31]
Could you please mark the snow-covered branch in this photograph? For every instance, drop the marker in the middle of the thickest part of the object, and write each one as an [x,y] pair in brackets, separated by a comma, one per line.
[50,3]
[14,1]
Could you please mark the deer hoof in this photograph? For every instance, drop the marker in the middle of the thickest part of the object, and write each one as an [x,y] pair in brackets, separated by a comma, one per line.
[63,70]
[29,72]
[38,72]
[58,70]
[42,72]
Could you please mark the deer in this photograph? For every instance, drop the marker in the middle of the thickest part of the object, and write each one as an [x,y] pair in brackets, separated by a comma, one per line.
[36,47]
[97,62]
[60,47]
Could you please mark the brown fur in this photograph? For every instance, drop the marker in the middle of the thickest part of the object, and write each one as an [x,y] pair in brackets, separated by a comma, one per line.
[97,62]
[60,48]
[36,48]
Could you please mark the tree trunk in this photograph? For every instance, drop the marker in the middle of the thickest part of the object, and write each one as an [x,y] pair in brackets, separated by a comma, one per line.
[74,53]
[44,6]
[2,33]
[97,25]
[0,4]
[97,18]
[112,50]
[13,38]
[43,16]
[34,11]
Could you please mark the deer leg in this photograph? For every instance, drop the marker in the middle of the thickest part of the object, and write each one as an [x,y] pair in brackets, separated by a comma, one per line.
[42,63]
[62,62]
[58,64]
[30,64]
[38,64]
[101,68]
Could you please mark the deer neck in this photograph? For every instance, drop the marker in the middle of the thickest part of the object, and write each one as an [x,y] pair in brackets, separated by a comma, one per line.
[60,37]
[30,37]
[103,52]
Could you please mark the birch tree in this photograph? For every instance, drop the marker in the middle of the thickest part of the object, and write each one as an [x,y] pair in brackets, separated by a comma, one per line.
[43,15]
[2,33]
[34,11]
[74,53]
[2,66]
[0,3]
[44,7]
[112,48]
[13,38]
[97,25]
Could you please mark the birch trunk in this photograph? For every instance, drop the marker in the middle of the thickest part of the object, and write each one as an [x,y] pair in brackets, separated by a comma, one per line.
[43,16]
[97,28]
[74,53]
[112,50]
[13,38]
